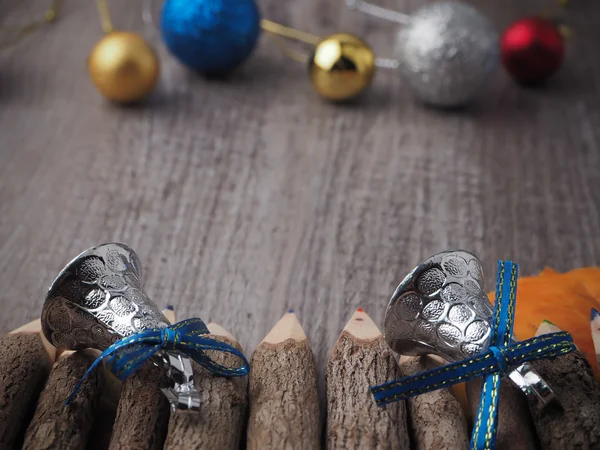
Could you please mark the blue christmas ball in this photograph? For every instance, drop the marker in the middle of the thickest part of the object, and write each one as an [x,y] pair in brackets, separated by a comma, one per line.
[210,36]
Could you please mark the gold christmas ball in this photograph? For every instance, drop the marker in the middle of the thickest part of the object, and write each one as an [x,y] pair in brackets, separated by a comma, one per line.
[123,67]
[341,67]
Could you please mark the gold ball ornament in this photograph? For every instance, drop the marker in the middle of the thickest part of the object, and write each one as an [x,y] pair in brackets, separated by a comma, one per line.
[123,67]
[342,67]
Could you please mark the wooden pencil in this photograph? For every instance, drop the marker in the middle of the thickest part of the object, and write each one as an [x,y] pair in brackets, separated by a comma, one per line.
[224,401]
[26,358]
[143,412]
[595,324]
[436,419]
[106,411]
[284,405]
[515,425]
[573,421]
[360,359]
[56,425]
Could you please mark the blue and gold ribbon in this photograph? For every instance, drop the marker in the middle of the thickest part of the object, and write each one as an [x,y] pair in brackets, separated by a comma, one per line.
[492,364]
[127,355]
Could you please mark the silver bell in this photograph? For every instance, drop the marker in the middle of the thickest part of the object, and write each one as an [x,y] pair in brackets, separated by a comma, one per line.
[98,299]
[441,308]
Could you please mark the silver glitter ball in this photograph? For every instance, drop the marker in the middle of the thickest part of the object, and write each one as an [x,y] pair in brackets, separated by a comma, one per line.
[447,52]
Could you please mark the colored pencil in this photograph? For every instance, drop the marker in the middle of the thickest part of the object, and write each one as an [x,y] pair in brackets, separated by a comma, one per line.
[143,412]
[361,358]
[515,425]
[595,323]
[573,420]
[55,425]
[284,405]
[26,359]
[220,422]
[436,419]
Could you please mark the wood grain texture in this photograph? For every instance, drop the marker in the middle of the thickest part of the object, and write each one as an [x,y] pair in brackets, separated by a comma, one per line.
[55,425]
[575,424]
[250,195]
[24,367]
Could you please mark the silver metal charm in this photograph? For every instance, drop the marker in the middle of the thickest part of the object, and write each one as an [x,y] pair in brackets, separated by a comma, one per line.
[98,299]
[441,308]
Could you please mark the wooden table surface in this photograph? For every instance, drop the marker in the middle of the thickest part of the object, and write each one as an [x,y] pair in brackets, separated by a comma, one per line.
[248,196]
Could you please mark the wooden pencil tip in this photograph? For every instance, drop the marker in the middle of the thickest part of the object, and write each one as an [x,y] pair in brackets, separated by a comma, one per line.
[288,327]
[362,326]
[169,313]
[35,326]
[65,354]
[547,327]
[218,330]
[594,314]
[170,307]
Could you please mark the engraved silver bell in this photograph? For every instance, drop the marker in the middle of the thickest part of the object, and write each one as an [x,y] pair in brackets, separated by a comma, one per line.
[441,308]
[98,299]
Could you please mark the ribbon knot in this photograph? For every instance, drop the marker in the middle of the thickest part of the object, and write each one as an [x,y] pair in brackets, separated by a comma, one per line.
[499,357]
[127,355]
[168,338]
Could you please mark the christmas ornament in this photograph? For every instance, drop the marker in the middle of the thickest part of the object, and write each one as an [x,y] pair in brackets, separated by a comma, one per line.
[446,51]
[502,354]
[97,300]
[122,65]
[213,40]
[532,50]
[210,36]
[340,67]
[440,308]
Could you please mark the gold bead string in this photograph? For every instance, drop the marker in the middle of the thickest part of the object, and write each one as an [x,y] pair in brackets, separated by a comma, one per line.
[277,32]
[552,12]
[105,20]
[20,32]
[290,33]
[379,12]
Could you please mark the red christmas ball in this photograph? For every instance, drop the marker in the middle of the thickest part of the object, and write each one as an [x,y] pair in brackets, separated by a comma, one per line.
[532,50]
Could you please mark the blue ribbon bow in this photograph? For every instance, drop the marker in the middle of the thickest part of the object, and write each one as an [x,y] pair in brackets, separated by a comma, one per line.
[127,355]
[492,364]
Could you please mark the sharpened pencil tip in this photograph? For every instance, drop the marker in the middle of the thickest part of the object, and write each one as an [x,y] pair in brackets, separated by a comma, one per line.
[291,311]
[362,326]
[170,307]
[595,313]
[547,327]
[288,327]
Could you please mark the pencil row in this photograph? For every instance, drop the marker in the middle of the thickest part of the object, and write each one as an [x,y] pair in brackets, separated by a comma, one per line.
[277,406]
